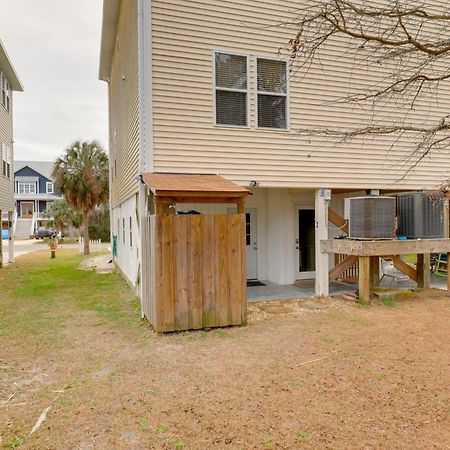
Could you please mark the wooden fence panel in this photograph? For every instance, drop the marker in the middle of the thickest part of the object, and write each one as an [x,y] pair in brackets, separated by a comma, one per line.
[181,273]
[199,277]
[209,312]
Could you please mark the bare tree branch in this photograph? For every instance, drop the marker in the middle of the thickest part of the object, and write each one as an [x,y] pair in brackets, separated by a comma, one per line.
[407,39]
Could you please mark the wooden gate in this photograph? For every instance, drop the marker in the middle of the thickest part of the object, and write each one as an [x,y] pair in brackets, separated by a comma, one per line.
[196,271]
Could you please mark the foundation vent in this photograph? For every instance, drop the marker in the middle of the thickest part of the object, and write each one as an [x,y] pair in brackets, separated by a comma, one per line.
[420,216]
[372,217]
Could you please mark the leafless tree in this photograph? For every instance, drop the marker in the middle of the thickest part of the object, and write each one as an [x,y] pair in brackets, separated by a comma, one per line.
[407,39]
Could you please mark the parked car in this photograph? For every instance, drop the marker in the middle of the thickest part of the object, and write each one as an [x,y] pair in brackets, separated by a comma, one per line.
[43,232]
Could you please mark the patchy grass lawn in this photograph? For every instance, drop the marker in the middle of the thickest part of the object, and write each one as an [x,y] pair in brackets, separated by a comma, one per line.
[303,374]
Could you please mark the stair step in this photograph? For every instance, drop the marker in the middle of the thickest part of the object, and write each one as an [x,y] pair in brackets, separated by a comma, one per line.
[392,294]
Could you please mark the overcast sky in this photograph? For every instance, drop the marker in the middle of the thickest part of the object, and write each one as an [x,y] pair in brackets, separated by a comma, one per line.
[54,46]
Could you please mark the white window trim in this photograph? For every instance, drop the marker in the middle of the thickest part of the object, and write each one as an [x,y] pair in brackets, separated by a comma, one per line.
[52,190]
[7,104]
[246,91]
[26,183]
[287,95]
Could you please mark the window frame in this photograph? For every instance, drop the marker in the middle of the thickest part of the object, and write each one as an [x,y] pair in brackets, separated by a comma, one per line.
[26,183]
[275,94]
[5,91]
[47,184]
[131,232]
[242,91]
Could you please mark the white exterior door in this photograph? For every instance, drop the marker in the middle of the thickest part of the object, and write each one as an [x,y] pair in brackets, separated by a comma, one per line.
[305,246]
[251,243]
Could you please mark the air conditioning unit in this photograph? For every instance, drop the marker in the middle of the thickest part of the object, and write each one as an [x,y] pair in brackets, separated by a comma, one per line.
[420,216]
[372,217]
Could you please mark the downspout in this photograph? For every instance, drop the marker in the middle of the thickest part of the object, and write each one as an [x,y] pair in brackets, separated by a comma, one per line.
[145,129]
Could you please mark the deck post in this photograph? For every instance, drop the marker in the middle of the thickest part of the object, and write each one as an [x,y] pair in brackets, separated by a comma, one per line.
[375,271]
[364,280]
[10,237]
[321,212]
[423,270]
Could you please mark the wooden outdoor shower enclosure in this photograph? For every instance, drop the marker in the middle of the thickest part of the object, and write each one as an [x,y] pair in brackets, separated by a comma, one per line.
[194,265]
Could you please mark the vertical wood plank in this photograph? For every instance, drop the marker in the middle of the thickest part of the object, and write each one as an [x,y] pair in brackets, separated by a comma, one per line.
[159,275]
[195,302]
[375,271]
[153,290]
[423,270]
[168,296]
[181,269]
[364,280]
[243,253]
[234,268]
[209,262]
[222,289]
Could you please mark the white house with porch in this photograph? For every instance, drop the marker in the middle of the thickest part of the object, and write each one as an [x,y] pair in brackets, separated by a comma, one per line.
[194,89]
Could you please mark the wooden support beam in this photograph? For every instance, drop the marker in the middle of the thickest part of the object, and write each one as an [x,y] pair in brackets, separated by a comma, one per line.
[342,267]
[423,270]
[10,237]
[404,267]
[321,218]
[240,203]
[338,220]
[364,280]
[375,271]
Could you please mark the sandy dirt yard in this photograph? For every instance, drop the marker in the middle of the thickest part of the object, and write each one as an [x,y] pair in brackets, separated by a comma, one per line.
[313,374]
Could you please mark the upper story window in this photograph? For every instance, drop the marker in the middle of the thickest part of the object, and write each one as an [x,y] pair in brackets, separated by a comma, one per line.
[271,91]
[5,92]
[24,187]
[6,161]
[231,89]
[50,188]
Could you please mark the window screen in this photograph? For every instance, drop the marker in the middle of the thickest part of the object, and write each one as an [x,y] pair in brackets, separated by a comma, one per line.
[231,89]
[272,93]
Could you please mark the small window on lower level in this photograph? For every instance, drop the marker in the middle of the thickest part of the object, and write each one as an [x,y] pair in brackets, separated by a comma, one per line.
[131,233]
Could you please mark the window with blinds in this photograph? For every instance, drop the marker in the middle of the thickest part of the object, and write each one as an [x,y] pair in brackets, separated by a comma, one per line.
[271,93]
[231,89]
[5,92]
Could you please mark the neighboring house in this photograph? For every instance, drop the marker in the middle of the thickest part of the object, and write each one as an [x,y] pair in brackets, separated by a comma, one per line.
[199,87]
[34,192]
[9,82]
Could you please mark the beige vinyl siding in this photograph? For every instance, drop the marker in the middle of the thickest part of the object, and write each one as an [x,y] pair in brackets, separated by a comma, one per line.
[185,34]
[124,105]
[6,137]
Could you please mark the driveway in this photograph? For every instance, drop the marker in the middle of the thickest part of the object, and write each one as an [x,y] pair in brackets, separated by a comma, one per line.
[22,248]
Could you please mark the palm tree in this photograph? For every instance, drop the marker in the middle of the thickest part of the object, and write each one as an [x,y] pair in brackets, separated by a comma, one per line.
[63,215]
[81,174]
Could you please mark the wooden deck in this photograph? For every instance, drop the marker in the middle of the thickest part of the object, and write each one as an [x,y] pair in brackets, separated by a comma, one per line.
[369,252]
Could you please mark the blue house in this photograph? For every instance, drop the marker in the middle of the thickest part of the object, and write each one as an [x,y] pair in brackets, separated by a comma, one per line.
[34,192]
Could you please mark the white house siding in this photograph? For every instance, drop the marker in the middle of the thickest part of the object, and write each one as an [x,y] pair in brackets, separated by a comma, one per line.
[276,222]
[127,252]
[124,106]
[185,33]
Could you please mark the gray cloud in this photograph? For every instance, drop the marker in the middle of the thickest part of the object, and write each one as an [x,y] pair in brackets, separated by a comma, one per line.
[54,46]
